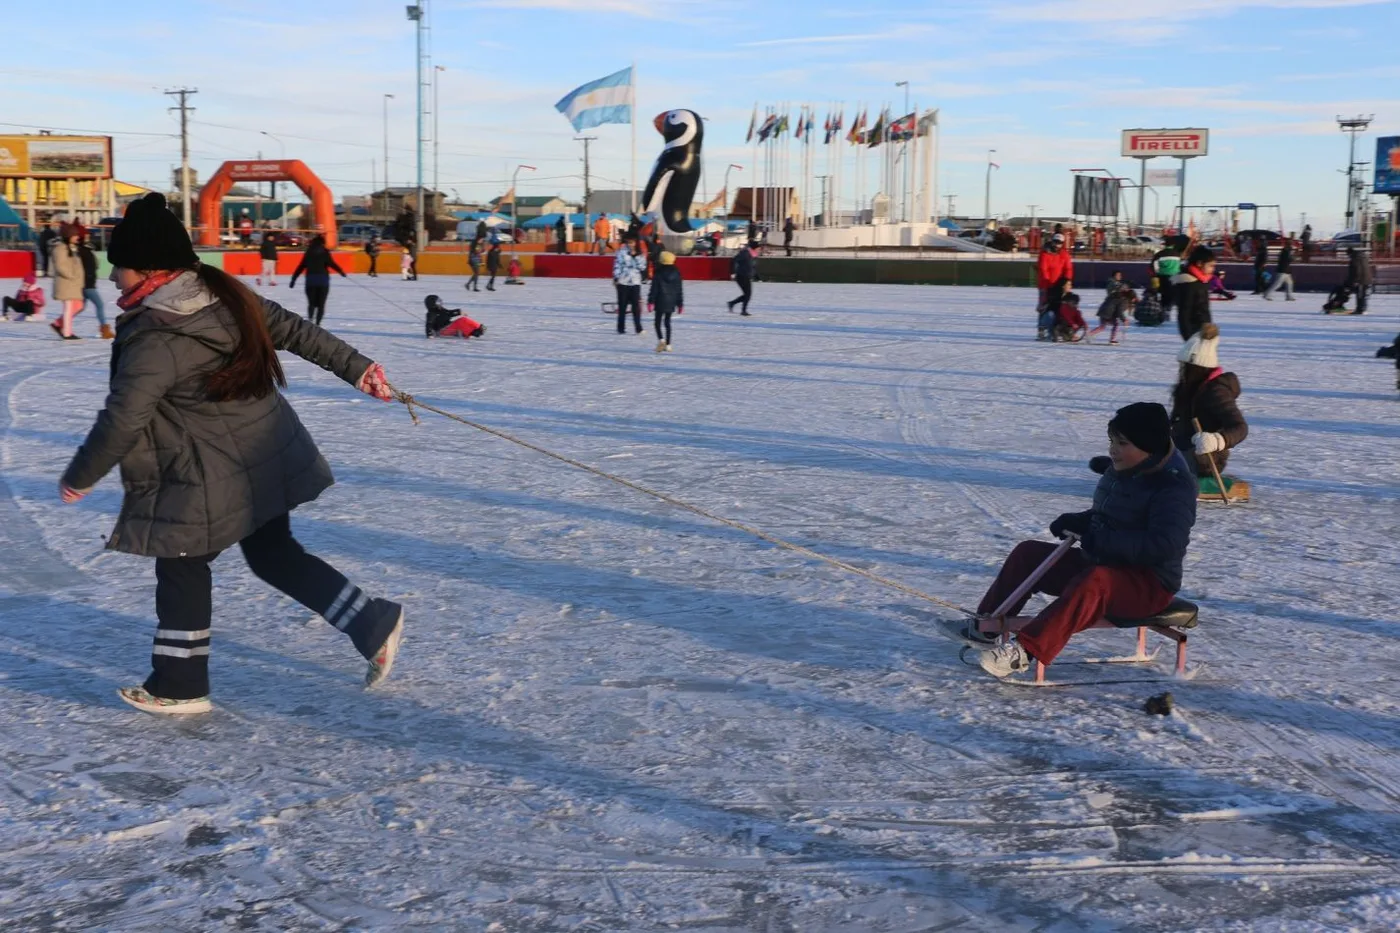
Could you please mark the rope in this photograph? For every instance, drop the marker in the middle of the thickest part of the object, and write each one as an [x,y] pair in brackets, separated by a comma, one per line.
[412,403]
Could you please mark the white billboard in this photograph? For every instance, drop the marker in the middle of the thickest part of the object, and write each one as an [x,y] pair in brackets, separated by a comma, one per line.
[1178,144]
[1163,178]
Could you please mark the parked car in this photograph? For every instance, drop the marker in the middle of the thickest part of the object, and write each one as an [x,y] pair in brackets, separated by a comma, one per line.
[288,239]
[99,232]
[358,233]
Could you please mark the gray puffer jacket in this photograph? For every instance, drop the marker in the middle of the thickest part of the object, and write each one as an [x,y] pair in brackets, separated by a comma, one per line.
[201,475]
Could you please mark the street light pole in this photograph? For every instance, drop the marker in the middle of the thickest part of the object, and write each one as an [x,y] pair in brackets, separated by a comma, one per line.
[587,227]
[417,13]
[283,202]
[387,98]
[904,178]
[987,204]
[437,70]
[515,196]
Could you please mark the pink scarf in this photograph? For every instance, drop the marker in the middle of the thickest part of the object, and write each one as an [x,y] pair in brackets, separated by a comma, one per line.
[133,296]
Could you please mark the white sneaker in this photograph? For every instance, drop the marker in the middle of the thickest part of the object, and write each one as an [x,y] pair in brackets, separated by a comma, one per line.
[661,347]
[668,348]
[140,698]
[383,660]
[1005,659]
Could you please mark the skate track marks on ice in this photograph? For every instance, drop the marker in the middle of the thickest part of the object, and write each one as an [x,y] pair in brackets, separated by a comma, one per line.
[612,716]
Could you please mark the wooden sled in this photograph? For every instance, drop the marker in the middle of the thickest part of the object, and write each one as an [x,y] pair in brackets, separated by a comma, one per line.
[1236,490]
[1171,623]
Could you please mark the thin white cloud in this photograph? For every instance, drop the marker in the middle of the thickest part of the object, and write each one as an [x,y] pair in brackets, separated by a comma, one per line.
[842,39]
[638,8]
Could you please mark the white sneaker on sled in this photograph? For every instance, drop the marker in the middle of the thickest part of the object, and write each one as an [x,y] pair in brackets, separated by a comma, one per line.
[1005,659]
[383,660]
[142,699]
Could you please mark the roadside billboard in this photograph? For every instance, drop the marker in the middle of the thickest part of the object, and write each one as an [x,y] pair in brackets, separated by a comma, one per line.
[1163,178]
[85,157]
[1178,144]
[1388,165]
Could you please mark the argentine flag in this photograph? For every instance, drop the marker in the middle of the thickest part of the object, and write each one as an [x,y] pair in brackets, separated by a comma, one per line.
[607,100]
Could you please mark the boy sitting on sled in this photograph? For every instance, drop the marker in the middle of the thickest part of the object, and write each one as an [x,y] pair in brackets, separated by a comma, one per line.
[1131,545]
[449,322]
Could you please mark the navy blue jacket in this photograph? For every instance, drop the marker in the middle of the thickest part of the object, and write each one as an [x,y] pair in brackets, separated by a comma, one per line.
[1143,518]
[667,291]
[743,265]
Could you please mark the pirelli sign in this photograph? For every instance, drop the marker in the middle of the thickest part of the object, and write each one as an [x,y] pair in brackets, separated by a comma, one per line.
[1175,144]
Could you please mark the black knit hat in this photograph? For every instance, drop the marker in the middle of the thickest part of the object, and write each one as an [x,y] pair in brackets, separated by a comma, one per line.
[1145,425]
[151,237]
[1200,256]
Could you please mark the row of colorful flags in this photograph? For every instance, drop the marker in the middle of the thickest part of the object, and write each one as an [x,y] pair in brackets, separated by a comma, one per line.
[862,131]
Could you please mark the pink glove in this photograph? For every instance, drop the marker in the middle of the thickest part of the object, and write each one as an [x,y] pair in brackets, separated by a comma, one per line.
[375,383]
[68,494]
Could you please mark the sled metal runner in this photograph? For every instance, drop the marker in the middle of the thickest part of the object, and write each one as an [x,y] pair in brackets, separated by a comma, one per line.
[1171,623]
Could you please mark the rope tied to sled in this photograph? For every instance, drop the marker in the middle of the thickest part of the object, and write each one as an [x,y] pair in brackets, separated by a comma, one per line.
[412,403]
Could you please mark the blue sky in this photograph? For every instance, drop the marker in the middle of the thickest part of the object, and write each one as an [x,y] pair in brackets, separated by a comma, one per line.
[1047,83]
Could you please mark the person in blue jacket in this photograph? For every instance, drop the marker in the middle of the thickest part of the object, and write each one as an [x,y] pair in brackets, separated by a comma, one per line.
[1132,545]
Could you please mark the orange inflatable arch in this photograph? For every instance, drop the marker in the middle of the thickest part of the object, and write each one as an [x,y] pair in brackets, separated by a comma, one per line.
[211,196]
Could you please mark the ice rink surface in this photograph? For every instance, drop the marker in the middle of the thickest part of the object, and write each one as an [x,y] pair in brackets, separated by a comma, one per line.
[611,715]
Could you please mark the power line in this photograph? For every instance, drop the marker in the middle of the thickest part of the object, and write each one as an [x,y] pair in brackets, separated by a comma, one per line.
[90,132]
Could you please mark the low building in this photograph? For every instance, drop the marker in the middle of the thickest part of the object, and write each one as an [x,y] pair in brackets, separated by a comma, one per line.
[528,207]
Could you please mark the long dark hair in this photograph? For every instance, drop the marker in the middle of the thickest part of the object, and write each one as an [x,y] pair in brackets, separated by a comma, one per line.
[1188,385]
[254,371]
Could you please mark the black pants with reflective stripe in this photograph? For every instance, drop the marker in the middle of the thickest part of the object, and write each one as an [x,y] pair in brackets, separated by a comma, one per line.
[184,606]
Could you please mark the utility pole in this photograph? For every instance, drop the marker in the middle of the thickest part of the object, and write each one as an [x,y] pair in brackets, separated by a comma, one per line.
[950,198]
[387,98]
[1032,209]
[185,111]
[587,191]
[1353,126]
[437,69]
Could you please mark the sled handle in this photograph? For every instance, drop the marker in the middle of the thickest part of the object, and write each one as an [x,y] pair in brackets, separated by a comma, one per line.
[1044,568]
[1219,482]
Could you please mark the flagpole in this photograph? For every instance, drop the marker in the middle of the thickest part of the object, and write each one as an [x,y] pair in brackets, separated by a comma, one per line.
[634,136]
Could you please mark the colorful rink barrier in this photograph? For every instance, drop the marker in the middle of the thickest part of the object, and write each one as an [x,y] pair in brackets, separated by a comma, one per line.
[16,263]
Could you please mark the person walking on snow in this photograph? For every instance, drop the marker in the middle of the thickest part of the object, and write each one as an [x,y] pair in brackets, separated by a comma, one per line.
[90,292]
[493,264]
[1205,392]
[1358,276]
[1283,278]
[1193,293]
[1054,277]
[66,265]
[788,229]
[372,252]
[628,268]
[474,261]
[317,262]
[212,454]
[667,296]
[742,267]
[1132,545]
[267,251]
[45,243]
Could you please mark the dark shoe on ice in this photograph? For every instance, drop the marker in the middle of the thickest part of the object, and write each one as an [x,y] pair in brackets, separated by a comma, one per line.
[383,660]
[745,314]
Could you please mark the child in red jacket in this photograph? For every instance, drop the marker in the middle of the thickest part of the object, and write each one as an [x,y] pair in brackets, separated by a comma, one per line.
[28,301]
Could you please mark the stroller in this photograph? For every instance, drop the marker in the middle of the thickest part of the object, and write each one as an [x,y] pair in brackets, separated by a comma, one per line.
[1337,301]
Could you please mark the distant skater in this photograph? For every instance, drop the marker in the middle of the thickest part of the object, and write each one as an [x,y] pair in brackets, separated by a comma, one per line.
[742,267]
[493,265]
[317,263]
[628,268]
[667,296]
[372,253]
[474,261]
[267,251]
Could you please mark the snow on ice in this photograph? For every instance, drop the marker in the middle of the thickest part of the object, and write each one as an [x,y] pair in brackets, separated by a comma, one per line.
[611,715]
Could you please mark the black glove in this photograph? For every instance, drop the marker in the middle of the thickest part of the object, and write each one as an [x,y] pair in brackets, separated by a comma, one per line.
[1100,465]
[1070,523]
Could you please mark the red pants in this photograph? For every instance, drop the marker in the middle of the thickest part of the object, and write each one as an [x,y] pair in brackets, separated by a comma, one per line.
[1086,592]
[463,327]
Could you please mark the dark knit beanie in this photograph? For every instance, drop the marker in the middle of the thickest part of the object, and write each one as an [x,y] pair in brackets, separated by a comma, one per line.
[151,237]
[1200,256]
[1145,425]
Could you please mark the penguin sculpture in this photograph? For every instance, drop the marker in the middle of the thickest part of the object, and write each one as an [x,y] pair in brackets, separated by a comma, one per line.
[675,177]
